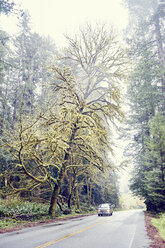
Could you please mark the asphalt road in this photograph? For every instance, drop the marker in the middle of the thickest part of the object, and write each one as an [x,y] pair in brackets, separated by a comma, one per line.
[125,229]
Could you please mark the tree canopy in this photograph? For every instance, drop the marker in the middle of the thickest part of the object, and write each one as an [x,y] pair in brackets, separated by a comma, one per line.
[58,131]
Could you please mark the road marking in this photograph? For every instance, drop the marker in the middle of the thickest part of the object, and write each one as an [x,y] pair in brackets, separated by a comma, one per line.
[133,236]
[69,235]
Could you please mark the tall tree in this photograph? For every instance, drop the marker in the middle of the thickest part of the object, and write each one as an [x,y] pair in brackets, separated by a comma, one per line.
[32,54]
[146,90]
[6,7]
[99,64]
[147,22]
[24,55]
[4,65]
[23,74]
[153,171]
[73,124]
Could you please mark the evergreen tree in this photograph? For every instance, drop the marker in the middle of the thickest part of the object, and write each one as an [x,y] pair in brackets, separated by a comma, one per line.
[23,74]
[6,6]
[154,161]
[146,90]
[32,55]
[4,65]
[149,179]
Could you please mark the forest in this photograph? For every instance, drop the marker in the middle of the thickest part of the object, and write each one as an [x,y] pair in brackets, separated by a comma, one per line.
[58,110]
[146,93]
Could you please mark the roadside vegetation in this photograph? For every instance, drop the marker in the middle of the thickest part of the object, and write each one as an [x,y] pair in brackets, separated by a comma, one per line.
[155,229]
[15,213]
[159,223]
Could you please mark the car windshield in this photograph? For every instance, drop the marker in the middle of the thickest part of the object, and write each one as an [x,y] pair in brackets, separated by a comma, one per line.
[104,206]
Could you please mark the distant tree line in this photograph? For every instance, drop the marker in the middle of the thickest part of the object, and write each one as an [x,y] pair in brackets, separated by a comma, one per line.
[57,110]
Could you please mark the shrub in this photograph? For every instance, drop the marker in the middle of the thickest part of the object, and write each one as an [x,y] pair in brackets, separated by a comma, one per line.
[23,210]
[159,223]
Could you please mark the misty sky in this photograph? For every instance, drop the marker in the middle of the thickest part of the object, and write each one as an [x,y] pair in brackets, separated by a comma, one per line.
[56,17]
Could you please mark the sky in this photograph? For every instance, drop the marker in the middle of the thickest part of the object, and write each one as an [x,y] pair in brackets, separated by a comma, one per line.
[58,17]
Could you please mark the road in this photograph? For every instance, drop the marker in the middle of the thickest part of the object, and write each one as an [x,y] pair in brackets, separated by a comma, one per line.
[124,229]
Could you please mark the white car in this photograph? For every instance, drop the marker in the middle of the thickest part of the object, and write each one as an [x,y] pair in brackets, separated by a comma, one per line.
[105,209]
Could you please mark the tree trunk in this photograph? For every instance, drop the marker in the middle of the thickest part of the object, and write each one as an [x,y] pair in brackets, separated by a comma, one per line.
[61,176]
[89,191]
[77,199]
[70,200]
[90,195]
[56,192]
[70,197]
[161,55]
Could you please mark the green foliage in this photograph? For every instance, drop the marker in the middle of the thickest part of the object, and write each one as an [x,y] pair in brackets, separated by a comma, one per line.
[159,223]
[6,223]
[22,210]
[154,160]
[147,97]
[148,180]
[15,212]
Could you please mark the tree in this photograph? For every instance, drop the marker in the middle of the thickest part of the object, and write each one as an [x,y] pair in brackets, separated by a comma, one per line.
[25,82]
[98,60]
[99,65]
[74,182]
[71,125]
[106,188]
[147,19]
[84,130]
[146,90]
[38,153]
[153,178]
[4,66]
[28,73]
[6,6]
[23,74]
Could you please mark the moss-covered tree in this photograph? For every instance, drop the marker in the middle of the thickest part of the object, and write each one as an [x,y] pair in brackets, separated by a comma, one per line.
[74,122]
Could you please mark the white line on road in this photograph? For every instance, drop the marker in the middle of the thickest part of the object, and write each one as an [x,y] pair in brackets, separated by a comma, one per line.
[133,236]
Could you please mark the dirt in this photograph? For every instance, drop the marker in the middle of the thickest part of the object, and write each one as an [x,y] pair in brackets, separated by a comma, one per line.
[157,241]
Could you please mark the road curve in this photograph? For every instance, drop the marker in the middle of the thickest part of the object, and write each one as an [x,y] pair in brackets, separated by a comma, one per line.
[124,229]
